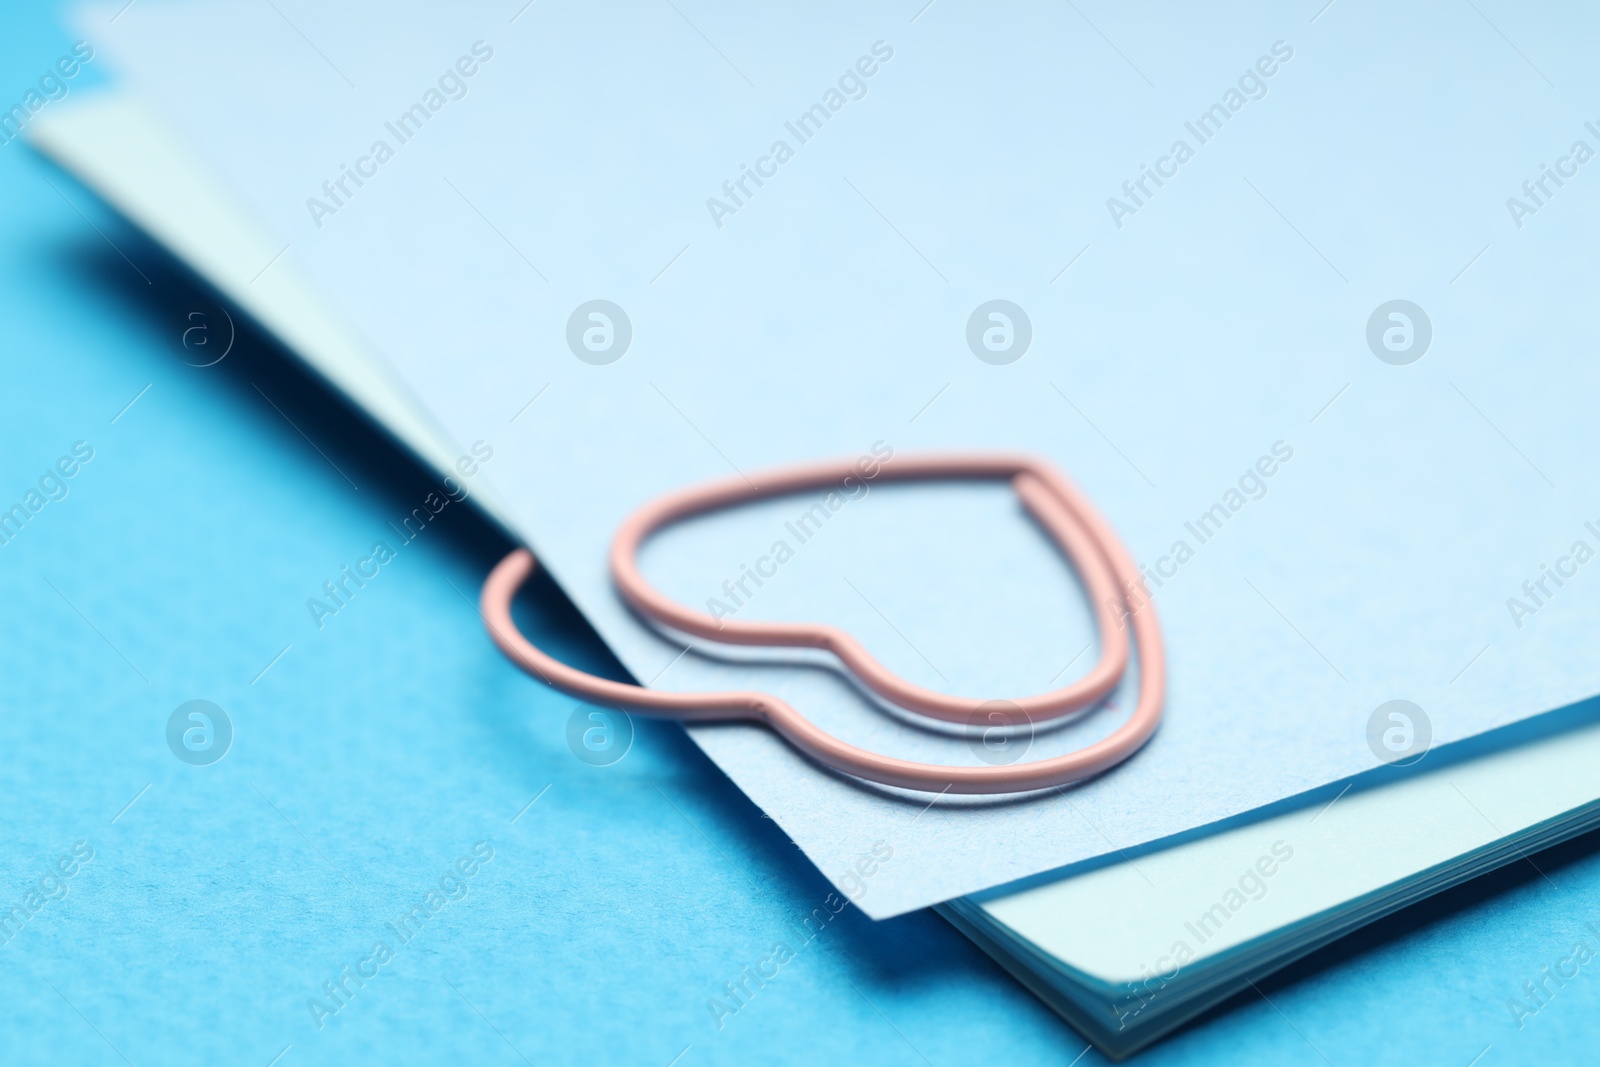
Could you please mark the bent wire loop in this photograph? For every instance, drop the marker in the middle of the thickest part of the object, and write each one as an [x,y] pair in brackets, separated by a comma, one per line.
[1065,514]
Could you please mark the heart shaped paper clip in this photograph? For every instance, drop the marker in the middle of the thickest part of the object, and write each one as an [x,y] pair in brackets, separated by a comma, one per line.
[1082,534]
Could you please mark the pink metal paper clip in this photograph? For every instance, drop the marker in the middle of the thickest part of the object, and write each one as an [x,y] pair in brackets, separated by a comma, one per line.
[1082,534]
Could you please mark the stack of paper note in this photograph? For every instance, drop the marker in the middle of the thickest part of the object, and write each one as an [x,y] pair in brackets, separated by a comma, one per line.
[1291,319]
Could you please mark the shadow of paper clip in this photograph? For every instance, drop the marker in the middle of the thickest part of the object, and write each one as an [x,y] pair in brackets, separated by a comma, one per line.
[1082,534]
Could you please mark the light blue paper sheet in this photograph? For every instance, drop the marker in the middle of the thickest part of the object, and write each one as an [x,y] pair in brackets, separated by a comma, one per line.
[1172,349]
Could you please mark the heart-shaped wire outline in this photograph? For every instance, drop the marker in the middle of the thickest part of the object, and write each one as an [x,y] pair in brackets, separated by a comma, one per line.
[1083,535]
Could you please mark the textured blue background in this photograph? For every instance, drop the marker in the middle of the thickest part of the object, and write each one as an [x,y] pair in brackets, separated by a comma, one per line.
[379,749]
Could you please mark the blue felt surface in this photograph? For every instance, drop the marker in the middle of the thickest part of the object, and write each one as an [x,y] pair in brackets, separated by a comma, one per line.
[381,748]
